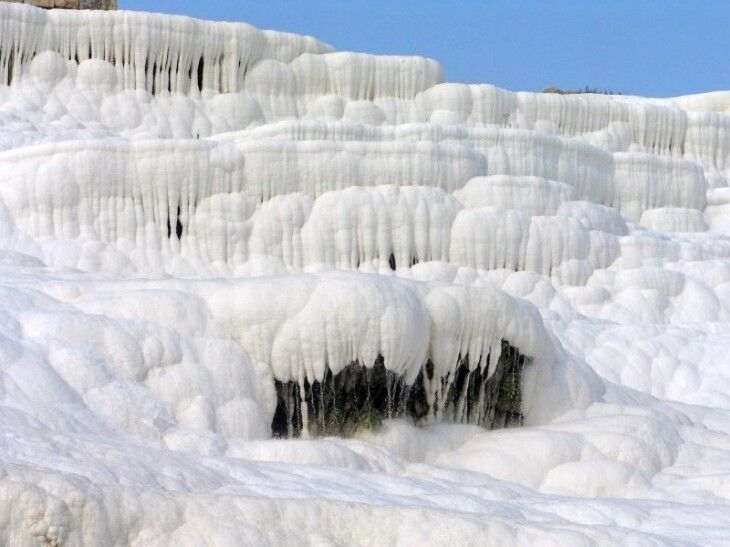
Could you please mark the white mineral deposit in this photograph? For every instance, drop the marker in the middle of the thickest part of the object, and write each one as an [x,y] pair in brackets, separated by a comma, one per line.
[254,291]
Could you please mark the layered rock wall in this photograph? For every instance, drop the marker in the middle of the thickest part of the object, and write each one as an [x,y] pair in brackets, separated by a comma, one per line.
[70,4]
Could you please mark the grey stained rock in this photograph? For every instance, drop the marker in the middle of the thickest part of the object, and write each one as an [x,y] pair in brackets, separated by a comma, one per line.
[70,4]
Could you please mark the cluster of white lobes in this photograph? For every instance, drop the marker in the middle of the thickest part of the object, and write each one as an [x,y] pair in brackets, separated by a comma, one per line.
[192,210]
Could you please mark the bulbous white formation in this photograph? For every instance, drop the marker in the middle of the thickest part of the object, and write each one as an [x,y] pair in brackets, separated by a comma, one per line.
[191,211]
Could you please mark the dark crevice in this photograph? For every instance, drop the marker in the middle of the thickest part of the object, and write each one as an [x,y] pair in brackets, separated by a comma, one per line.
[11,63]
[391,261]
[178,226]
[200,75]
[219,64]
[154,73]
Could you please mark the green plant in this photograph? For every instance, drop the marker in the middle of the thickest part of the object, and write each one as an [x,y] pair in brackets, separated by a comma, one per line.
[370,419]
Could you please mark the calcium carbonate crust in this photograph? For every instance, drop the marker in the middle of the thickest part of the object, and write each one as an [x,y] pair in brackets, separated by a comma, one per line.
[191,212]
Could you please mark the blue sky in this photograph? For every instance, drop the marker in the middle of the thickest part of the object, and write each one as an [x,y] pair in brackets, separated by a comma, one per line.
[643,47]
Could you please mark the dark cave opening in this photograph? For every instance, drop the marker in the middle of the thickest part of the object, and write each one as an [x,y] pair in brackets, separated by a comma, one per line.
[359,396]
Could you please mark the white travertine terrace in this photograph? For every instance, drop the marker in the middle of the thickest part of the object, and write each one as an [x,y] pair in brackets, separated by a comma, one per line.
[192,211]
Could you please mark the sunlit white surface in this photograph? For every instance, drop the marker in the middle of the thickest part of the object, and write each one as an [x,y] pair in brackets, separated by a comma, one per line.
[190,210]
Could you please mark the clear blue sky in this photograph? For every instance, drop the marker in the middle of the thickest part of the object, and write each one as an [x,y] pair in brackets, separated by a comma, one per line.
[643,47]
